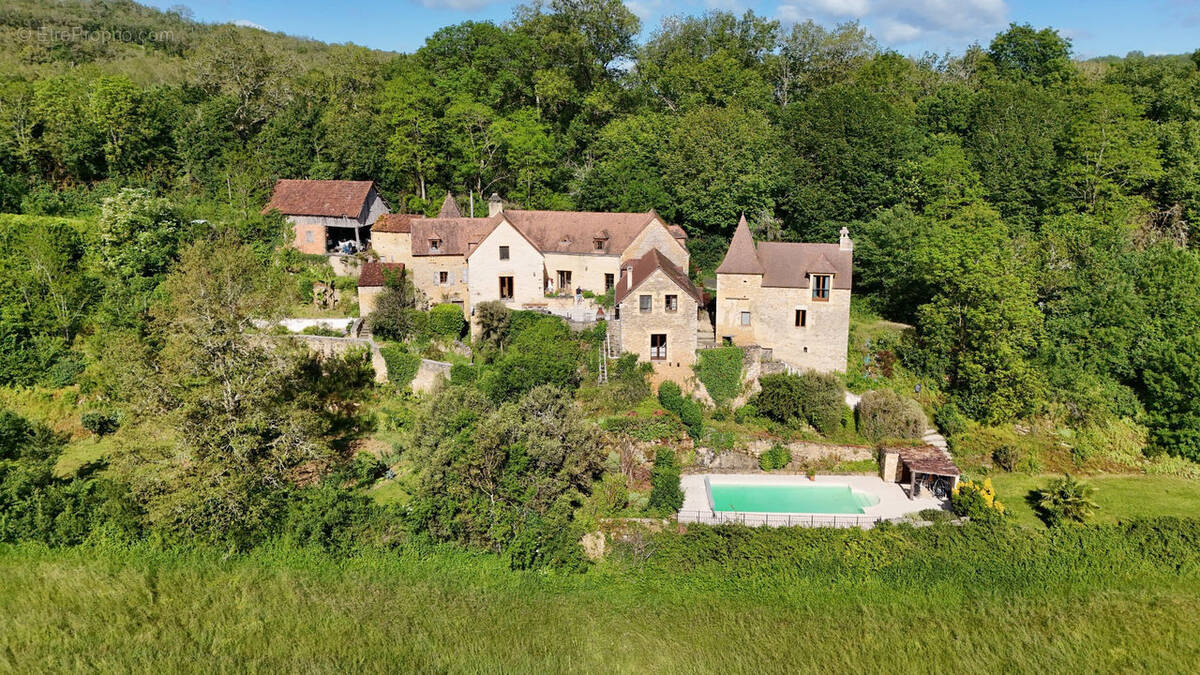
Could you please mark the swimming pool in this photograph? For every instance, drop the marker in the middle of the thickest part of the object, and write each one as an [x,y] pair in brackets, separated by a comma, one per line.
[788,498]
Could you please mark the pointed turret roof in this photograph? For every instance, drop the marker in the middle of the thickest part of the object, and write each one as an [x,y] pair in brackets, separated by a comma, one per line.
[449,208]
[741,257]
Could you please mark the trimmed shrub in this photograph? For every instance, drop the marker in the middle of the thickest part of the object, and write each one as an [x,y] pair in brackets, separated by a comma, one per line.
[815,398]
[446,320]
[776,458]
[886,414]
[720,370]
[670,396]
[401,365]
[660,427]
[822,401]
[99,422]
[665,494]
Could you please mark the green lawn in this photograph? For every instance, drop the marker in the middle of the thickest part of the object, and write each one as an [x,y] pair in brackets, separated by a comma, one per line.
[281,610]
[1119,497]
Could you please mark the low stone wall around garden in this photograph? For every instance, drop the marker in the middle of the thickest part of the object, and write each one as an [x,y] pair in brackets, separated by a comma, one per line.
[803,452]
[429,374]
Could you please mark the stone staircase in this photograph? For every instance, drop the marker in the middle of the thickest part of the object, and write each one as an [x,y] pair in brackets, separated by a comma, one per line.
[706,334]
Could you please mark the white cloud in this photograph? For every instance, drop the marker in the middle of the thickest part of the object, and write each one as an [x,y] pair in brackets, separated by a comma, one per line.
[905,21]
[246,23]
[898,32]
[460,5]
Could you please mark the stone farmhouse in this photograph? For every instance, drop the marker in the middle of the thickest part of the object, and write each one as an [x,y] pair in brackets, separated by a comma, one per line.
[328,212]
[791,298]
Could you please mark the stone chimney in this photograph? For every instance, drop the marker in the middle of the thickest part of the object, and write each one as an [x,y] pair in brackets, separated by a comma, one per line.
[628,277]
[495,205]
[844,243]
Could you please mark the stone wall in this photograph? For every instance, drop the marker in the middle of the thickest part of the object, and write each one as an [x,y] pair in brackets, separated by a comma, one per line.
[344,265]
[818,345]
[368,299]
[425,274]
[331,346]
[393,247]
[430,375]
[656,235]
[587,270]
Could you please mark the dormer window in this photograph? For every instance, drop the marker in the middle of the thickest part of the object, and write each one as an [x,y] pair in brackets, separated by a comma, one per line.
[435,245]
[599,244]
[820,287]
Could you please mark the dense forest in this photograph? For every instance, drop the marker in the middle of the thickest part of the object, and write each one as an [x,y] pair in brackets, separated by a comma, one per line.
[1027,213]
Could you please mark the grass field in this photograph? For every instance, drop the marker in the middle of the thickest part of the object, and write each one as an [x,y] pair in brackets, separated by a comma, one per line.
[280,609]
[1119,497]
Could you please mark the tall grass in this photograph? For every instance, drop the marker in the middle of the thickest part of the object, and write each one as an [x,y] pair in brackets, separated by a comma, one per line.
[711,600]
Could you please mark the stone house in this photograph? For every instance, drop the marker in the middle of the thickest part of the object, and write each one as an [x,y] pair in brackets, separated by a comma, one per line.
[656,312]
[526,256]
[373,278]
[525,259]
[792,298]
[326,213]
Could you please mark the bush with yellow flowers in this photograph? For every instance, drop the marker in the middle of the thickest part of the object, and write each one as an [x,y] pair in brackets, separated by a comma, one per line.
[977,501]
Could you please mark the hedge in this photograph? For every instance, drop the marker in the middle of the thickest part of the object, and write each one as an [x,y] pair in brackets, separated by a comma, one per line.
[720,370]
[446,320]
[401,365]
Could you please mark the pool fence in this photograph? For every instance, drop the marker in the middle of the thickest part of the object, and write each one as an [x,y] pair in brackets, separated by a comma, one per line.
[780,519]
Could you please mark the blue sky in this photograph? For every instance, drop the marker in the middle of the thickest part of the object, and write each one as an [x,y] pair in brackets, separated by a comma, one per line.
[1096,27]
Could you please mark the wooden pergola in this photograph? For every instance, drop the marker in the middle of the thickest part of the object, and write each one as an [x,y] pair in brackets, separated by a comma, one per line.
[926,460]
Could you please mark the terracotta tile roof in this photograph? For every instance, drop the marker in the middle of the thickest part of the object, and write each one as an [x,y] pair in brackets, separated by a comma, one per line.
[395,222]
[786,264]
[677,232]
[373,273]
[333,198]
[789,264]
[645,266]
[576,231]
[928,459]
[449,208]
[741,257]
[455,235]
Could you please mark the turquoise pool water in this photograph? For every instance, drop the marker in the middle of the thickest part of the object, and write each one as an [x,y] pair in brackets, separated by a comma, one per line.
[789,498]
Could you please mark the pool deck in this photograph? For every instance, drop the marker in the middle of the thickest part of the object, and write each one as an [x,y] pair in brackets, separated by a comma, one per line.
[893,501]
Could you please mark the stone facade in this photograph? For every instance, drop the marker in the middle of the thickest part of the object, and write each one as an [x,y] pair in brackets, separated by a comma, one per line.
[636,327]
[426,273]
[393,247]
[820,344]
[524,264]
[657,237]
[587,271]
